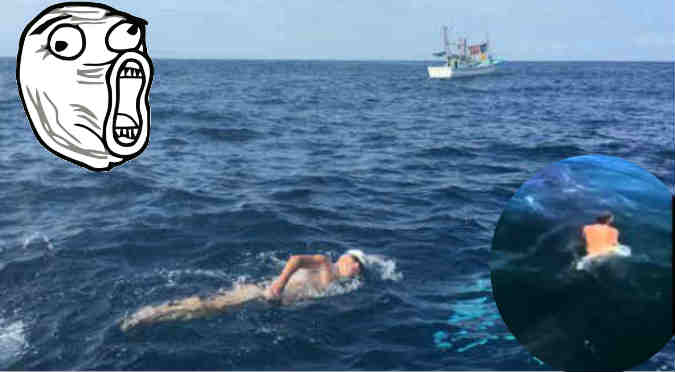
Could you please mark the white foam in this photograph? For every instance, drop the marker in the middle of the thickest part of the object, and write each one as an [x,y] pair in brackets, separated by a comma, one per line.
[174,276]
[271,256]
[587,262]
[384,266]
[342,287]
[36,236]
[12,341]
[534,204]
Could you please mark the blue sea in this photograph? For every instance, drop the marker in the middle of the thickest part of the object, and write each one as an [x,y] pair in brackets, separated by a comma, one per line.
[575,311]
[252,161]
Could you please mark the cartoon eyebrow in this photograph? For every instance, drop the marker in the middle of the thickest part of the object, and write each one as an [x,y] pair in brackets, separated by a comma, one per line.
[44,26]
[129,17]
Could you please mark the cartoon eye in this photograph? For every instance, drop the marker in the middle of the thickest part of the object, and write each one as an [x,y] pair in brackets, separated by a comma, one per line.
[66,42]
[124,36]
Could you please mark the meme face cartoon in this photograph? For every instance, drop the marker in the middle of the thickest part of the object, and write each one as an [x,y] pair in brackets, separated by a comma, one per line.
[84,79]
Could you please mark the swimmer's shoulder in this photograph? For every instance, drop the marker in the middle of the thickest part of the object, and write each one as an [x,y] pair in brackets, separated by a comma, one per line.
[322,259]
[587,230]
[594,228]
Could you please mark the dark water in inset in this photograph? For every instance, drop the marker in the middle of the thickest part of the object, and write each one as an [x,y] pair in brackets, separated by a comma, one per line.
[575,312]
[251,161]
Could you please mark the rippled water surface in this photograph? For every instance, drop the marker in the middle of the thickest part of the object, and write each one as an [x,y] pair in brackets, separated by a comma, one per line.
[575,311]
[251,161]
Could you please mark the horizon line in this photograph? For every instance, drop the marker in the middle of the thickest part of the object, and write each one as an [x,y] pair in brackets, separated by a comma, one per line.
[387,59]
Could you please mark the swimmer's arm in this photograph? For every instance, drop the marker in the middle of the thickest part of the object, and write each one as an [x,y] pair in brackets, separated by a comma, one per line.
[295,263]
[303,262]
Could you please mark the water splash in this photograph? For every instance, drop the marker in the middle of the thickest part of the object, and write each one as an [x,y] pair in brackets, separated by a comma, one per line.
[342,286]
[12,341]
[38,237]
[336,288]
[587,262]
[174,277]
[271,257]
[534,204]
[385,267]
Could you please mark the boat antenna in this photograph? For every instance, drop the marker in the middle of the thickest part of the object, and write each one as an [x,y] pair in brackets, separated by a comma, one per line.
[446,44]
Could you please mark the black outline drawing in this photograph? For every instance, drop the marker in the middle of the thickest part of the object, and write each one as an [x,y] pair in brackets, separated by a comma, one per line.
[114,27]
[56,53]
[118,144]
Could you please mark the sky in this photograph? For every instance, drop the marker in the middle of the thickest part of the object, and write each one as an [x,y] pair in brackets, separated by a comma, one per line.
[529,30]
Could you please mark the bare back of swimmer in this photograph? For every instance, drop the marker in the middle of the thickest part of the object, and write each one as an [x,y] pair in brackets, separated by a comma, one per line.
[601,237]
[303,276]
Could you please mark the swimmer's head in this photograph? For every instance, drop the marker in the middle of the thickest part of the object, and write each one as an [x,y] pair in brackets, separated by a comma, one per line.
[351,264]
[605,218]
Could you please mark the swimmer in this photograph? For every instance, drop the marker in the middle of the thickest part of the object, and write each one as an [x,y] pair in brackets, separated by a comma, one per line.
[302,277]
[601,238]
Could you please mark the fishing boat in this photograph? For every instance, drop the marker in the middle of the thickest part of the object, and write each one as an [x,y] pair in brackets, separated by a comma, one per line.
[463,60]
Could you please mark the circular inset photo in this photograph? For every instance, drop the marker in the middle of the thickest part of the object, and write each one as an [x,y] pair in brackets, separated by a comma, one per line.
[581,264]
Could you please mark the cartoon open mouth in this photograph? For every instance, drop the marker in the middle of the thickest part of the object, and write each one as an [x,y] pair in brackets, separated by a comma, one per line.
[127,124]
[130,80]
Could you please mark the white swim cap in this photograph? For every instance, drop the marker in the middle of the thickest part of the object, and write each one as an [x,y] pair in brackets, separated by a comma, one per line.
[359,255]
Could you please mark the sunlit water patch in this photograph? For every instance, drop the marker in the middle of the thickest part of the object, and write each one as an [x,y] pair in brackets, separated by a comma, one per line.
[12,341]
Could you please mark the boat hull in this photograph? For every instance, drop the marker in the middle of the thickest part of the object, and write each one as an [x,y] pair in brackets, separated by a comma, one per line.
[447,72]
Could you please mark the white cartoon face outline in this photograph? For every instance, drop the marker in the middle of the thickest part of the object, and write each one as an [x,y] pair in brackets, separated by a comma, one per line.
[84,79]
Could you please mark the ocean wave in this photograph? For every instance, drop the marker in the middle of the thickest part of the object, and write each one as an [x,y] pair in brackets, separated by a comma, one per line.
[178,113]
[13,343]
[293,194]
[37,237]
[227,134]
[175,276]
[320,158]
[445,152]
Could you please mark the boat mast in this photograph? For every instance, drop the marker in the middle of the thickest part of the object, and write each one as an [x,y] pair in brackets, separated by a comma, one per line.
[487,43]
[464,52]
[446,44]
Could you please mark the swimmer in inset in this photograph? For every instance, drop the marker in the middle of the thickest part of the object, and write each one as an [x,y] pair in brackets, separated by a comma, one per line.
[601,238]
[304,276]
[84,78]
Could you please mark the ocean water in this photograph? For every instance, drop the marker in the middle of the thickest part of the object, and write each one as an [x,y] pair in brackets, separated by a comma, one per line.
[608,312]
[251,161]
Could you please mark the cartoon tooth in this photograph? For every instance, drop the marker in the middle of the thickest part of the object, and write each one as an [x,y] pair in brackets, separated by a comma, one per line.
[84,78]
